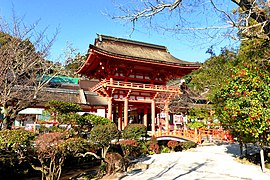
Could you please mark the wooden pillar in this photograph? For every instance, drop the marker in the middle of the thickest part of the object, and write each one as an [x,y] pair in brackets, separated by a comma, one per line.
[126,112]
[145,115]
[111,81]
[120,118]
[110,108]
[153,115]
[167,116]
[35,122]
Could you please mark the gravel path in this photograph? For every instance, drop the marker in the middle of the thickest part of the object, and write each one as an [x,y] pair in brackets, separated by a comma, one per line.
[206,162]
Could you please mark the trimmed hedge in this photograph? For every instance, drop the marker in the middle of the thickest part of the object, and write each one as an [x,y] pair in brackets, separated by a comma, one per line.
[134,131]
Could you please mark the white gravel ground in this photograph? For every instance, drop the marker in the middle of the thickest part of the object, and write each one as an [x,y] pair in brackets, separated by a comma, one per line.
[206,162]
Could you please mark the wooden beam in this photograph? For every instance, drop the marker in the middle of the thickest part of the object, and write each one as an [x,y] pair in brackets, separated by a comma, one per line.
[133,101]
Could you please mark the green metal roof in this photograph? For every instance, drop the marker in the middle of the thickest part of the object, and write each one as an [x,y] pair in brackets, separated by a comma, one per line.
[62,79]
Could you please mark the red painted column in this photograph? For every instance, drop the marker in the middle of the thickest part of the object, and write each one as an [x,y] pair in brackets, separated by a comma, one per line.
[120,118]
[145,115]
[126,112]
[110,108]
[167,116]
[111,81]
[153,115]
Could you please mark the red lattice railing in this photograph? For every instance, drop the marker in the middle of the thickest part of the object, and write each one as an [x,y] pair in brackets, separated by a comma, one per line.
[134,85]
[197,135]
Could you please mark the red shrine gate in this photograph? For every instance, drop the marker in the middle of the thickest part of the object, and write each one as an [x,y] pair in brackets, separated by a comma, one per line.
[133,77]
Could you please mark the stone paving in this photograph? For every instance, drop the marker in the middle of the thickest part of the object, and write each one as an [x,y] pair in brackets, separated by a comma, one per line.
[201,163]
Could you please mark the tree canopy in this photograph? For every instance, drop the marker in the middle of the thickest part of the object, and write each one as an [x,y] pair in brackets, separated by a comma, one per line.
[22,65]
[208,78]
[242,101]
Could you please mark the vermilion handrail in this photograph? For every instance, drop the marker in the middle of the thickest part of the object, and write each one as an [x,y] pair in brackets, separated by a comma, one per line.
[197,135]
[106,83]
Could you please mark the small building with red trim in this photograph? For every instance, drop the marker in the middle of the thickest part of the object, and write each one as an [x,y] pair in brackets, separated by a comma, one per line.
[133,78]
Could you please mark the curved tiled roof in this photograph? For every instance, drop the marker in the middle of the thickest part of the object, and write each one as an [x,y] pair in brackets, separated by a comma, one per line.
[129,50]
[137,50]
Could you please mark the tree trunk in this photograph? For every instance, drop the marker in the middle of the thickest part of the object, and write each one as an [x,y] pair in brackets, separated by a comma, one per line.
[104,152]
[7,122]
[9,117]
[262,159]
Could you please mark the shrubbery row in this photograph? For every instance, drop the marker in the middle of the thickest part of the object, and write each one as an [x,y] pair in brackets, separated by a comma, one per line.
[22,150]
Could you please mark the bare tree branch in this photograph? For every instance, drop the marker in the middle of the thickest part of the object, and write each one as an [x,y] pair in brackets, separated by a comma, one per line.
[151,10]
[22,64]
[223,12]
[88,154]
[247,11]
[254,10]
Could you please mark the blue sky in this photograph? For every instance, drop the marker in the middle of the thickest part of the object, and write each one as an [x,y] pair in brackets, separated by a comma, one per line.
[80,21]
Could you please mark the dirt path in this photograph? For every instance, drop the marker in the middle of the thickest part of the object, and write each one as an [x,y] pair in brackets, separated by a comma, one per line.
[206,162]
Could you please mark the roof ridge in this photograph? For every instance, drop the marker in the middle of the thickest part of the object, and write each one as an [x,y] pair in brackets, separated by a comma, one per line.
[105,37]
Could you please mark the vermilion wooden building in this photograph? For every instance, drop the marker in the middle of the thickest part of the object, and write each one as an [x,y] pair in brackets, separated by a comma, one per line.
[133,77]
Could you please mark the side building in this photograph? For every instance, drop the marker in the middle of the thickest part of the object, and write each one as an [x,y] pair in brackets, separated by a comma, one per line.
[64,89]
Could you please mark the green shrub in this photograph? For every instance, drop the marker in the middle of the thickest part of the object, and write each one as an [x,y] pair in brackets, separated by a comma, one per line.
[62,107]
[97,120]
[69,118]
[165,149]
[15,149]
[103,135]
[15,140]
[43,129]
[134,131]
[143,147]
[187,145]
[57,129]
[195,124]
